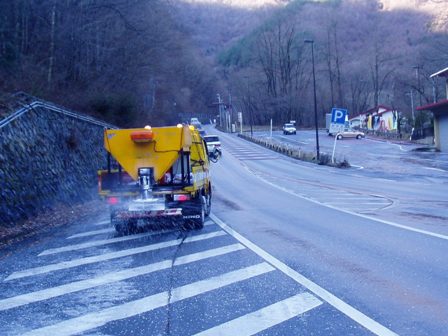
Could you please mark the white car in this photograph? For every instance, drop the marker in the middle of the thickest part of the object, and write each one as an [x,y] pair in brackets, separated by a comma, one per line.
[289,129]
[212,142]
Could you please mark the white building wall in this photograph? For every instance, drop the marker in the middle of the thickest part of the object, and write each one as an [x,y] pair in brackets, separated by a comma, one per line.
[442,133]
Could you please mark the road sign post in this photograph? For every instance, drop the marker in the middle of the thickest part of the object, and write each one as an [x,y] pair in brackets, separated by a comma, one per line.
[337,125]
[338,117]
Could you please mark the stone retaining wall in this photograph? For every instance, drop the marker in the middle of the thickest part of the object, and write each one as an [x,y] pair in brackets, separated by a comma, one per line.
[47,158]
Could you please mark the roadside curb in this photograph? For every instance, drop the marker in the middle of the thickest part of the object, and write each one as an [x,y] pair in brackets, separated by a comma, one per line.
[296,153]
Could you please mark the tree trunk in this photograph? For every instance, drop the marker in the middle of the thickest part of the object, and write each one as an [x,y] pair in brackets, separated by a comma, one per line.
[52,45]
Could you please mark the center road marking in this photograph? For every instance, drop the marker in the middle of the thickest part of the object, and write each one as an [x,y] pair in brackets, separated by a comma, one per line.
[266,317]
[337,303]
[109,256]
[97,319]
[76,286]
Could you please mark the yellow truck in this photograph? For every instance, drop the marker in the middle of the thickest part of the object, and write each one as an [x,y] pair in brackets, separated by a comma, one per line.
[156,176]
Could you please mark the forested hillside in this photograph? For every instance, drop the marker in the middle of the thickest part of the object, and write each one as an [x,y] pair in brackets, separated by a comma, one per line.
[366,52]
[128,62]
[136,61]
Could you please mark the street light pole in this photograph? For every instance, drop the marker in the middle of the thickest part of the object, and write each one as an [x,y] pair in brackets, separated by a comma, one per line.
[251,117]
[315,99]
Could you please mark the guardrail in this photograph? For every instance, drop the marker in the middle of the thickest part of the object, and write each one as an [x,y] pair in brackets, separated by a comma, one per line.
[29,107]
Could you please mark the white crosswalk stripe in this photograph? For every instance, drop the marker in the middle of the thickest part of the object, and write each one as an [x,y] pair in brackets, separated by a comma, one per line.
[101,242]
[77,286]
[272,313]
[109,256]
[262,319]
[252,155]
[92,233]
[247,153]
[110,230]
[146,304]
[106,221]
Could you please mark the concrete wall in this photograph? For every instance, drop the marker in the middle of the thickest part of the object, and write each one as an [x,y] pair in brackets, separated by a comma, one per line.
[47,157]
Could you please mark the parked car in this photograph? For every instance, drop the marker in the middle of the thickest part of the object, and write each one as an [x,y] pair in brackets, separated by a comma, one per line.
[289,129]
[212,142]
[196,123]
[350,133]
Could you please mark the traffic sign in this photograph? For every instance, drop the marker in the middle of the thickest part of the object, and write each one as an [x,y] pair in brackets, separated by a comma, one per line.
[338,116]
[336,128]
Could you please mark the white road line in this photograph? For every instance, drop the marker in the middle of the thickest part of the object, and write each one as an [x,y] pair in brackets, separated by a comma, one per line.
[436,169]
[292,140]
[101,242]
[356,204]
[77,286]
[340,305]
[356,166]
[266,317]
[92,233]
[107,221]
[354,198]
[97,319]
[108,256]
[243,151]
[382,221]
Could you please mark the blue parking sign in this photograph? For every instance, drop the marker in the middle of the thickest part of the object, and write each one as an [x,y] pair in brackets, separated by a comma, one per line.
[338,116]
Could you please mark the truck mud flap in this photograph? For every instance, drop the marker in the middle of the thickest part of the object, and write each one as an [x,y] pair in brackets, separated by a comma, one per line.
[150,214]
[135,221]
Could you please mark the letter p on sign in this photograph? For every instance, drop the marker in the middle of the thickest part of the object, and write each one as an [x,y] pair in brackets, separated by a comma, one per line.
[338,116]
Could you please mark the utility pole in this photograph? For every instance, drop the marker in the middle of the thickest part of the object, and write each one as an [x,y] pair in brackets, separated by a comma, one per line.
[412,106]
[417,74]
[231,112]
[433,90]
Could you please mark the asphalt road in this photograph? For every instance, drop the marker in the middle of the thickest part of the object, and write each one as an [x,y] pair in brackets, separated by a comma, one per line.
[290,249]
[374,155]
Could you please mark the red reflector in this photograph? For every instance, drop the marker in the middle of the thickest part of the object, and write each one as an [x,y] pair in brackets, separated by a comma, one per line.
[142,136]
[181,197]
[112,200]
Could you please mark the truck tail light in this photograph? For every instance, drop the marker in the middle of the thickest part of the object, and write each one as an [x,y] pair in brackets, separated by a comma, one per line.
[113,200]
[181,197]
